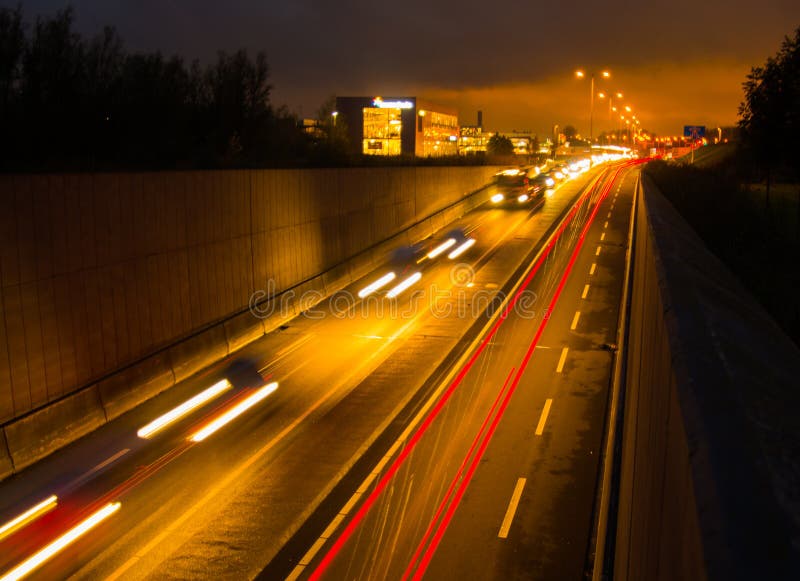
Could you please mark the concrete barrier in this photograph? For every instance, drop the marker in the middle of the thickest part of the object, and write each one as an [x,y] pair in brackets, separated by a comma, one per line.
[198,352]
[242,329]
[710,467]
[6,465]
[37,435]
[130,387]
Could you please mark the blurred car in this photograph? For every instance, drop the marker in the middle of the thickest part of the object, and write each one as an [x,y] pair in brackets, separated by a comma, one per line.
[518,188]
[545,181]
[243,372]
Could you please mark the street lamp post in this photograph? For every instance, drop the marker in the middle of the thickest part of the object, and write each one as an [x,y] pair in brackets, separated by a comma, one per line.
[580,74]
[611,96]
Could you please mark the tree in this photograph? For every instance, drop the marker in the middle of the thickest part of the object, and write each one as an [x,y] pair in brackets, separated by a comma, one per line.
[12,47]
[331,146]
[500,145]
[570,132]
[770,113]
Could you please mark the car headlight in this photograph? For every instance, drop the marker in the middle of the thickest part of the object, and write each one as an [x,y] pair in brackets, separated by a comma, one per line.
[523,198]
[497,198]
[550,182]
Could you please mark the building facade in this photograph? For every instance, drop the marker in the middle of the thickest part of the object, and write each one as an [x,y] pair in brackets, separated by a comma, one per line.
[398,126]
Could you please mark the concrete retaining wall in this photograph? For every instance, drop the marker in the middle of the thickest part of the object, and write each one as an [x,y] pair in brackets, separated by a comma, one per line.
[711,438]
[120,285]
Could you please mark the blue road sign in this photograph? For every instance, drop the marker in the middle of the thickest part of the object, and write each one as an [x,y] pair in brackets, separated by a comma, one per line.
[694,131]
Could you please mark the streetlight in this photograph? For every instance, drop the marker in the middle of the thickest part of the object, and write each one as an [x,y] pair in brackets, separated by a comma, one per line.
[611,96]
[580,74]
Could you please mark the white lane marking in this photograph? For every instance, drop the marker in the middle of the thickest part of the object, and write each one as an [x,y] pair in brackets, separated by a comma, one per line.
[512,509]
[312,551]
[109,460]
[562,360]
[608,215]
[585,291]
[543,418]
[575,320]
[84,477]
[288,350]
[605,225]
[337,520]
[591,270]
[296,572]
[602,236]
[597,253]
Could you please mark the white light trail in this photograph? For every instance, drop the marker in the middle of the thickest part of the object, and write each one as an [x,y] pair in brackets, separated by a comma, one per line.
[32,563]
[190,404]
[28,516]
[234,412]
[461,249]
[381,282]
[442,247]
[404,285]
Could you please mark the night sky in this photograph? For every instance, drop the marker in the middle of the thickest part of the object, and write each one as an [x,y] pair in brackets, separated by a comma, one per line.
[677,62]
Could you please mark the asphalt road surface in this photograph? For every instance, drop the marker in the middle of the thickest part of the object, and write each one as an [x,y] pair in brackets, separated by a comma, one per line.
[353,376]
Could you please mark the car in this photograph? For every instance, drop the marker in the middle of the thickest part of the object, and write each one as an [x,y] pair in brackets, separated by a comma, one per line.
[518,187]
[545,180]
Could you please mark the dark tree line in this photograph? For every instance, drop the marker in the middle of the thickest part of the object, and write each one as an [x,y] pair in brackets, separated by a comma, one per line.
[71,103]
[770,114]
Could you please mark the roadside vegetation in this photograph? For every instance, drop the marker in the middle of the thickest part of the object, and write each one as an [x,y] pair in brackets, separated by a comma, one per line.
[745,204]
[70,103]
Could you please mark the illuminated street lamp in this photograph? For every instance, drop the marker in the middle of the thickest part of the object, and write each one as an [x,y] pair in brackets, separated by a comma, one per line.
[580,74]
[611,96]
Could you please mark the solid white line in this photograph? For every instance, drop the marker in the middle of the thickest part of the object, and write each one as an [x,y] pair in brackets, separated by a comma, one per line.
[296,572]
[602,236]
[108,461]
[350,503]
[367,481]
[312,551]
[562,359]
[591,270]
[546,410]
[512,509]
[575,320]
[585,291]
[337,520]
[597,253]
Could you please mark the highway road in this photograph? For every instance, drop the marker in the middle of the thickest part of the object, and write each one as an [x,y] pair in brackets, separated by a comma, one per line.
[500,481]
[352,376]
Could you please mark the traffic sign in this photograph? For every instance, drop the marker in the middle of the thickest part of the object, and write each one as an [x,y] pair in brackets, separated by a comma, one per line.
[694,131]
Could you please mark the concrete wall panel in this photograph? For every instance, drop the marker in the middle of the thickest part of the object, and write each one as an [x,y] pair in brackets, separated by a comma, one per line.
[6,396]
[193,354]
[135,384]
[703,487]
[17,352]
